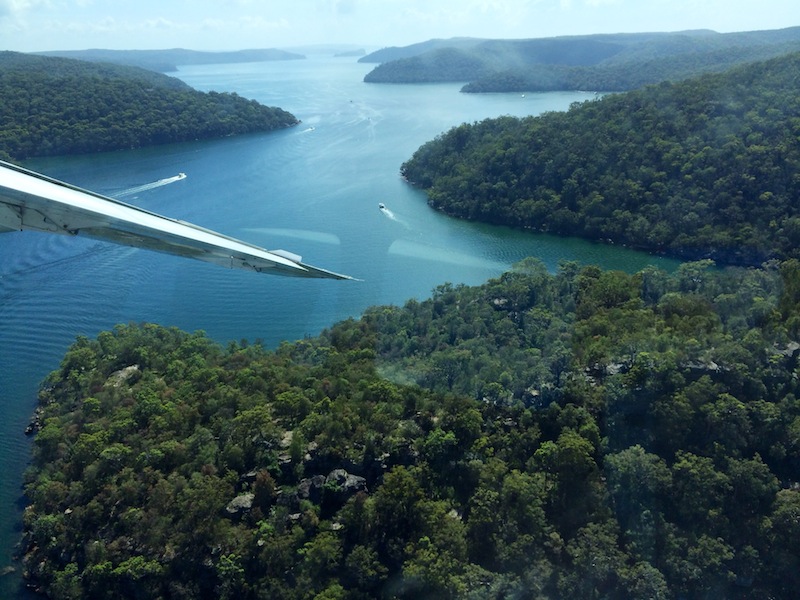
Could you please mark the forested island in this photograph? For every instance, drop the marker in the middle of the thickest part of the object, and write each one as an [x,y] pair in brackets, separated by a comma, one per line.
[608,62]
[54,106]
[584,434]
[704,168]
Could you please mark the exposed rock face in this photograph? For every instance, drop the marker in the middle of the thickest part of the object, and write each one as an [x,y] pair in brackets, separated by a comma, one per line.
[117,378]
[311,489]
[338,482]
[344,484]
[330,492]
[240,505]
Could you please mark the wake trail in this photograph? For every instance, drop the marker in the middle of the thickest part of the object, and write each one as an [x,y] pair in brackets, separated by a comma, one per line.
[149,186]
[390,215]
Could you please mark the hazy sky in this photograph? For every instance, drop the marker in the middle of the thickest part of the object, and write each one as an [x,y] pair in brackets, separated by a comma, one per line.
[31,25]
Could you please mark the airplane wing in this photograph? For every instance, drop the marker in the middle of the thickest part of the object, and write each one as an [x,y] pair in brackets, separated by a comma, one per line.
[29,200]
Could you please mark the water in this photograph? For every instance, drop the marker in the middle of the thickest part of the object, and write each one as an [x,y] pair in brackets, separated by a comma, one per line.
[314,190]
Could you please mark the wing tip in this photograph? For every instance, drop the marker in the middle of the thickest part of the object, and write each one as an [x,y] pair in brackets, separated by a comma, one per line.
[325,273]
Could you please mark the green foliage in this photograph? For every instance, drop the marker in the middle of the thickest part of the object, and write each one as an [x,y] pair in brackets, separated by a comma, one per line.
[589,434]
[51,106]
[704,168]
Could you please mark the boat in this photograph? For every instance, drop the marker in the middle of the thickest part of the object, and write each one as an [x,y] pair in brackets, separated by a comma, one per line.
[382,206]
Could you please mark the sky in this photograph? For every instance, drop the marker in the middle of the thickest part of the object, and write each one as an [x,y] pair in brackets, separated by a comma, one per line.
[40,25]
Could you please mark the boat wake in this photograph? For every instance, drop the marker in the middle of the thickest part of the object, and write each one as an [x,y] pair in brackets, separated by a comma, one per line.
[390,215]
[387,212]
[149,186]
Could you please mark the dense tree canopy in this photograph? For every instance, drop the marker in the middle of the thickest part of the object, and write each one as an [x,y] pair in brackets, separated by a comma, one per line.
[589,434]
[703,168]
[52,106]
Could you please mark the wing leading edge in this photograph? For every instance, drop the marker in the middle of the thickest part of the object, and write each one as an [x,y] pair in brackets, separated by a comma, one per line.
[29,200]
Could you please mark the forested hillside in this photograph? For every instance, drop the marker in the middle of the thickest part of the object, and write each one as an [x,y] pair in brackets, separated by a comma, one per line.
[623,72]
[707,167]
[614,62]
[586,434]
[52,106]
[397,52]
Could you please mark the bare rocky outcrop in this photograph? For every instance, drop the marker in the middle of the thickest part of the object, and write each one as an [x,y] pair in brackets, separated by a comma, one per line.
[240,505]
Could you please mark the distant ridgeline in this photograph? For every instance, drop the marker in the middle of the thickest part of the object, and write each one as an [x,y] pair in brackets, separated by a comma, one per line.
[165,61]
[54,106]
[585,434]
[705,168]
[615,62]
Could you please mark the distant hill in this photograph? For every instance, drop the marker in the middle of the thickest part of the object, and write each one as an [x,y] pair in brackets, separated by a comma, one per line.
[704,168]
[55,106]
[166,61]
[615,62]
[395,53]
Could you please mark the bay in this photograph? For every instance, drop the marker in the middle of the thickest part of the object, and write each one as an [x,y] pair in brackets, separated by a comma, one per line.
[313,189]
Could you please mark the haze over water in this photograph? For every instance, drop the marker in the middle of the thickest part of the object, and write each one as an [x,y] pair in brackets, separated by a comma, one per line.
[314,190]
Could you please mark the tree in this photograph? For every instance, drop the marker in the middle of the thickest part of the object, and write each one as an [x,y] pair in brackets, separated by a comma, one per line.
[638,483]
[785,555]
[596,562]
[699,492]
[570,475]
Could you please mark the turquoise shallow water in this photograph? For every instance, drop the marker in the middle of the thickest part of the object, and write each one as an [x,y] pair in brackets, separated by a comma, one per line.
[313,190]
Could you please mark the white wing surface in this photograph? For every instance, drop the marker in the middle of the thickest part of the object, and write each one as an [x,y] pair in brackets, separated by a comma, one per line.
[29,200]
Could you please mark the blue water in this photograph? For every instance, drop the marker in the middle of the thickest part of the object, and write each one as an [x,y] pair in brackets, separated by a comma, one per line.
[313,190]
